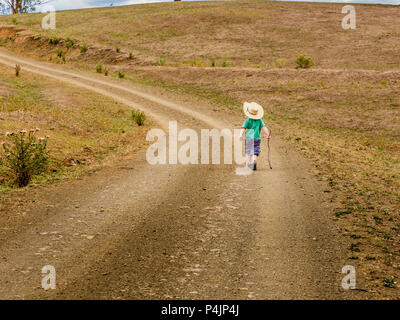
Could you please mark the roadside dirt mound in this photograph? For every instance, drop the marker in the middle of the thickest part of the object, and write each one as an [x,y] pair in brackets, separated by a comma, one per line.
[62,50]
[5,32]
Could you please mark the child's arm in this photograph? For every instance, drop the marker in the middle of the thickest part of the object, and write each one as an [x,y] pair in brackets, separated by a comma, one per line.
[266,131]
[242,133]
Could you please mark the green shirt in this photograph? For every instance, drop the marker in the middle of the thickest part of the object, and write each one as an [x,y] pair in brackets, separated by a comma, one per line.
[253,128]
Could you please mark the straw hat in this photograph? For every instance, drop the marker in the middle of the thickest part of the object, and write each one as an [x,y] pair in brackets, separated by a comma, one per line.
[253,110]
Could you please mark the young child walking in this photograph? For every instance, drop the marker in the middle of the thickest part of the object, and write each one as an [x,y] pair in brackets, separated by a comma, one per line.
[252,126]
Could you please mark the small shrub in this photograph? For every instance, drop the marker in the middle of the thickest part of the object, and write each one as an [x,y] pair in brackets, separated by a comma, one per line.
[17,70]
[130,55]
[303,62]
[106,72]
[84,48]
[389,283]
[161,62]
[61,55]
[341,213]
[224,63]
[118,49]
[54,41]
[99,68]
[354,247]
[280,63]
[14,20]
[69,43]
[25,156]
[121,75]
[213,63]
[377,218]
[139,117]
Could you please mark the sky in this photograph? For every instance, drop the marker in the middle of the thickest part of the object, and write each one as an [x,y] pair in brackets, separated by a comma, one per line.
[354,1]
[77,4]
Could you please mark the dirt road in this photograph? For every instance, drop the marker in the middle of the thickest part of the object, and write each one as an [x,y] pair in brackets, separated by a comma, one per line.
[136,231]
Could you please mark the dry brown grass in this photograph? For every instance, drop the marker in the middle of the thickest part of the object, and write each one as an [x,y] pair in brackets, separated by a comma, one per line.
[243,33]
[84,128]
[346,120]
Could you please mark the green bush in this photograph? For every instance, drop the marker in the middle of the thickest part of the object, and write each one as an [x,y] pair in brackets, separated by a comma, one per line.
[389,283]
[84,48]
[61,55]
[224,63]
[118,49]
[69,43]
[99,68]
[303,62]
[121,75]
[139,117]
[213,63]
[130,55]
[14,20]
[24,156]
[106,72]
[54,40]
[161,62]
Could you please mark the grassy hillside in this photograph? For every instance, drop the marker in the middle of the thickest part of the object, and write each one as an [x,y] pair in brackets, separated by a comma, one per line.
[241,33]
[344,113]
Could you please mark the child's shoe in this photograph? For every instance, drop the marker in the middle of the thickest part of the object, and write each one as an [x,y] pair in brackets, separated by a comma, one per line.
[254,166]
